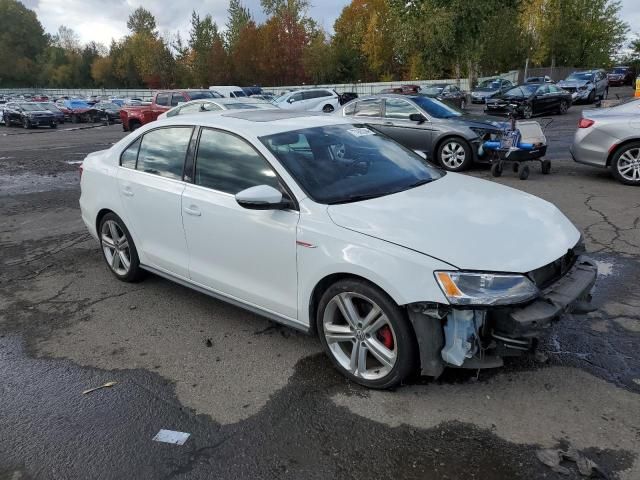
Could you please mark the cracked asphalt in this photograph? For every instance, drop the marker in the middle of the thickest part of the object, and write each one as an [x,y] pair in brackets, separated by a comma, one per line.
[261,400]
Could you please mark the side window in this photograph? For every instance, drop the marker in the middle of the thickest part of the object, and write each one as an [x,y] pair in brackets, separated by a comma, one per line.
[177,98]
[296,97]
[553,89]
[130,155]
[542,90]
[446,89]
[398,109]
[162,99]
[325,93]
[192,108]
[163,151]
[368,108]
[229,164]
[310,94]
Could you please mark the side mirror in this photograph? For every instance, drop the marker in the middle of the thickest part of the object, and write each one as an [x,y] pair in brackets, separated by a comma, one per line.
[290,100]
[261,197]
[417,117]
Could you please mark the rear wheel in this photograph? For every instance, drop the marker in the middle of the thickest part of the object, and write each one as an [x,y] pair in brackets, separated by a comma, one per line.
[454,154]
[118,249]
[134,126]
[366,335]
[327,108]
[592,96]
[26,123]
[625,164]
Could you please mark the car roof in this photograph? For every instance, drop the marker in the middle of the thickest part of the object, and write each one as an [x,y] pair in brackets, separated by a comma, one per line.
[258,122]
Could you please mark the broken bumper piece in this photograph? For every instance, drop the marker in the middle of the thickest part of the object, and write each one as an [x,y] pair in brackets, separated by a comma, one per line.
[480,337]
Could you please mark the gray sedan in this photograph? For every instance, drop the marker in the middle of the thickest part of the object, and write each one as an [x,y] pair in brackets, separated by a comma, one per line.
[443,133]
[610,138]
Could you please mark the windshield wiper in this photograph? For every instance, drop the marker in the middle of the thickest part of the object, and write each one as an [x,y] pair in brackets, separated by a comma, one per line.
[360,197]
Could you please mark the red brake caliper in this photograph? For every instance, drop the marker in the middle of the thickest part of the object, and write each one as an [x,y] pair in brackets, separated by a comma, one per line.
[386,337]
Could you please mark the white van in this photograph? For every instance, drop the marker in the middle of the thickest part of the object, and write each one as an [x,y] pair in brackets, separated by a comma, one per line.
[313,100]
[230,91]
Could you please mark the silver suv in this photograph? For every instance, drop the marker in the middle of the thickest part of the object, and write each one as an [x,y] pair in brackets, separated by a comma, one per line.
[586,85]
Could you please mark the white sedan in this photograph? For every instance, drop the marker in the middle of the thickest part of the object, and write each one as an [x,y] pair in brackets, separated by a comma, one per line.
[334,229]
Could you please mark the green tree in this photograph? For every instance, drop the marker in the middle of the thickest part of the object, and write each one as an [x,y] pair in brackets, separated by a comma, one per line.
[239,18]
[142,21]
[22,40]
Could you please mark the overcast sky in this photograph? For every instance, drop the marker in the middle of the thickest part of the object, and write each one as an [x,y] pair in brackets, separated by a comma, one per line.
[102,20]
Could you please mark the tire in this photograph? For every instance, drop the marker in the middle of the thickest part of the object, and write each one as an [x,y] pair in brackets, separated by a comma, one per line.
[389,335]
[496,169]
[454,154]
[112,226]
[134,126]
[26,123]
[592,96]
[74,119]
[524,172]
[564,107]
[53,125]
[546,167]
[527,111]
[328,108]
[625,164]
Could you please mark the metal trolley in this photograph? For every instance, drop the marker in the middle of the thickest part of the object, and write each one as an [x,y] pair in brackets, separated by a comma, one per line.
[521,142]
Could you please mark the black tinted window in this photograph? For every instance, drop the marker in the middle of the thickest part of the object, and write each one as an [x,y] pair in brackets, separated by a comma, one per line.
[163,151]
[368,108]
[176,99]
[229,164]
[162,99]
[130,155]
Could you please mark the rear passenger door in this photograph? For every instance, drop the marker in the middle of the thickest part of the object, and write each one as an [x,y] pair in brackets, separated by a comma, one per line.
[150,186]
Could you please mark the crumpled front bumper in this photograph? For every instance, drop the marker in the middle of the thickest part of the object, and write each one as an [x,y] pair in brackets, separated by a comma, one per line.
[571,293]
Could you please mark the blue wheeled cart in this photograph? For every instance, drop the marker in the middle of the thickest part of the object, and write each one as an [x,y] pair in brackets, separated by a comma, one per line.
[521,142]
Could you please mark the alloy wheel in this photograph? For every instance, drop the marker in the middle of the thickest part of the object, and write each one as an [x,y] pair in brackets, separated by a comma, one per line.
[527,111]
[628,165]
[453,155]
[360,336]
[563,107]
[115,247]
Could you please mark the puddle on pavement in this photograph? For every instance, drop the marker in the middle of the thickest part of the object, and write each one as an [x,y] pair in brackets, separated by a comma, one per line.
[29,183]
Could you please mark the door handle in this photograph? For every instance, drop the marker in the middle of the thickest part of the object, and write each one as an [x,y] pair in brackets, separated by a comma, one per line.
[192,210]
[127,191]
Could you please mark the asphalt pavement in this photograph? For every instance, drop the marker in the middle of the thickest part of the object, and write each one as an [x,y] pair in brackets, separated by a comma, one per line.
[260,400]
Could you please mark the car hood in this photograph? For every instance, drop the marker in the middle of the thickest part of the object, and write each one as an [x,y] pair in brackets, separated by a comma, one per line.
[469,223]
[572,83]
[480,121]
[485,90]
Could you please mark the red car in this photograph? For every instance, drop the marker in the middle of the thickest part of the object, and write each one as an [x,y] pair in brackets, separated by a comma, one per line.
[134,116]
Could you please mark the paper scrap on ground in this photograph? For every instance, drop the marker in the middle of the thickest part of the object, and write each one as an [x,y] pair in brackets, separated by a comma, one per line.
[106,385]
[169,436]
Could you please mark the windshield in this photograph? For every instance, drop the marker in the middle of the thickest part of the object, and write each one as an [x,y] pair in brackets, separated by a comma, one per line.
[521,91]
[619,70]
[31,107]
[492,84]
[433,90]
[239,93]
[580,76]
[436,108]
[347,163]
[201,94]
[50,106]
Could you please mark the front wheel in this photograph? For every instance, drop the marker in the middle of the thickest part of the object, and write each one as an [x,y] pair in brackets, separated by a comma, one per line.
[454,154]
[118,249]
[564,107]
[527,111]
[625,164]
[26,123]
[366,335]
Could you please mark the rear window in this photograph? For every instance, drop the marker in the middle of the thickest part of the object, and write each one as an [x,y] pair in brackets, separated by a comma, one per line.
[200,94]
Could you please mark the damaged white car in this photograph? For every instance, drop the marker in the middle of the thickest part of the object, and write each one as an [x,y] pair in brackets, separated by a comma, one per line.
[332,228]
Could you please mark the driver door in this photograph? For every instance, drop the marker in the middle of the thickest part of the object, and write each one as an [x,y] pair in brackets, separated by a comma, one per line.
[248,255]
[397,125]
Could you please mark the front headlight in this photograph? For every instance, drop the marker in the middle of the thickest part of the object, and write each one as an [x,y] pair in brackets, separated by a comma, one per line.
[485,289]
